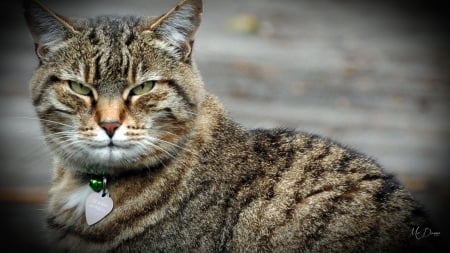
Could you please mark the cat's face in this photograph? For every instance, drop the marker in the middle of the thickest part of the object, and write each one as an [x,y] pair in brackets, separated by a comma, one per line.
[115,93]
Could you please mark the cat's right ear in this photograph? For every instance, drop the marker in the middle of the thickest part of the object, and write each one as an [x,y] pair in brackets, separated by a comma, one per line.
[178,27]
[48,29]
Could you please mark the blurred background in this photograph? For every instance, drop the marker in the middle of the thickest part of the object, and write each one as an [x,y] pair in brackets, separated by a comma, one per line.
[370,74]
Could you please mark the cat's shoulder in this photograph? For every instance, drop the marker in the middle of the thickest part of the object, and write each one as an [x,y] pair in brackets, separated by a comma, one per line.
[300,139]
[312,149]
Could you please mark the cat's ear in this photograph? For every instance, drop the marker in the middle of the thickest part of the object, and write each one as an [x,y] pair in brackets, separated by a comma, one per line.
[178,27]
[48,29]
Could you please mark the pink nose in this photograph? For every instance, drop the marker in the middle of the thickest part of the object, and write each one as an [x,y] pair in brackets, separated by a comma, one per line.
[110,127]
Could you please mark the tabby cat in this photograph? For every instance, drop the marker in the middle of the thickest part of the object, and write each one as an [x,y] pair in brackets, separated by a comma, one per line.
[147,160]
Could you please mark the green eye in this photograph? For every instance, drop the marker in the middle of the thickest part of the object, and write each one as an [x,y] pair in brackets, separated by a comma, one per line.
[143,88]
[80,88]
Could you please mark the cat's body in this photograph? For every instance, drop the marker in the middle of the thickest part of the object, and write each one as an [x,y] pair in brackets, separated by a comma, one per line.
[121,97]
[257,191]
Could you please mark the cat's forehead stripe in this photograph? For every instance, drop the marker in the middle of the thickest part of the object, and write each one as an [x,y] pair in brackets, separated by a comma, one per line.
[112,60]
[111,64]
[145,75]
[110,36]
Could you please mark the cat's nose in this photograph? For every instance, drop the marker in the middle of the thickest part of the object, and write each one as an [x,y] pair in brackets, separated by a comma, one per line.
[110,127]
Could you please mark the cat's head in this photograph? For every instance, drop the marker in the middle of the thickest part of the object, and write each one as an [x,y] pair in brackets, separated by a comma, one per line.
[115,93]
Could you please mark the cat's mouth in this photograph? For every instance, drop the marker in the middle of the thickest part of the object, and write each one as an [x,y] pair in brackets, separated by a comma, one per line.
[110,145]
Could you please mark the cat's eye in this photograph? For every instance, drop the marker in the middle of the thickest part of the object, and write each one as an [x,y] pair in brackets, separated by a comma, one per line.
[80,88]
[143,88]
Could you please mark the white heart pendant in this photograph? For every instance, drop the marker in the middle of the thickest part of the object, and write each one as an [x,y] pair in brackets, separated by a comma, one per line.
[97,207]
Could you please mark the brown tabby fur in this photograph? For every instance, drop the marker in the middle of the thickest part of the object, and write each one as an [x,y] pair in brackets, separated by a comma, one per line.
[182,174]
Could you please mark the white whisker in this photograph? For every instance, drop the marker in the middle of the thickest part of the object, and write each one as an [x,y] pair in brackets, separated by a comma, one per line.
[46,120]
[177,146]
[151,143]
[160,130]
[161,149]
[193,113]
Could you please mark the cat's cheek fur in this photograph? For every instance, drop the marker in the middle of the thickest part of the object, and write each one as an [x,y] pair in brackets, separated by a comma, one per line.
[53,99]
[120,137]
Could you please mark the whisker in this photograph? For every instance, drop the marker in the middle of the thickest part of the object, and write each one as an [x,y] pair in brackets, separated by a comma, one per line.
[160,130]
[64,133]
[161,149]
[177,146]
[144,149]
[166,152]
[171,143]
[46,120]
[193,113]
[74,149]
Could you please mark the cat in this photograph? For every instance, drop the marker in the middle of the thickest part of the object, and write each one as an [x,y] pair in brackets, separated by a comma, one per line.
[147,160]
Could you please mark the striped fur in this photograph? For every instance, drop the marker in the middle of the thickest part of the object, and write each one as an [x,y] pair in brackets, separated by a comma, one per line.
[182,174]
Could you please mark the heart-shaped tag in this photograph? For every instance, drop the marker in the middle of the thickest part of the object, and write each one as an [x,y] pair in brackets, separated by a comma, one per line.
[97,207]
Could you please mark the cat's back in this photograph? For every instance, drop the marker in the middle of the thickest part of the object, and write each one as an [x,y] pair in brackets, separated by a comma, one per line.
[315,195]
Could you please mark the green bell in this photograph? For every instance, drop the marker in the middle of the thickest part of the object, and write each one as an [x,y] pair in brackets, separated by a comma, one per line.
[96,183]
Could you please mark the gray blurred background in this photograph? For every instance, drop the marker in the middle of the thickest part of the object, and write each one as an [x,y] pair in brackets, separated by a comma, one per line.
[370,74]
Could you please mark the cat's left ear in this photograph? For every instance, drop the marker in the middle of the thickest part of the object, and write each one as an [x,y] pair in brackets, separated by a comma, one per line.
[178,27]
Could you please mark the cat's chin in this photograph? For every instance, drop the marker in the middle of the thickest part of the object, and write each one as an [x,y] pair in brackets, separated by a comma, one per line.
[104,160]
